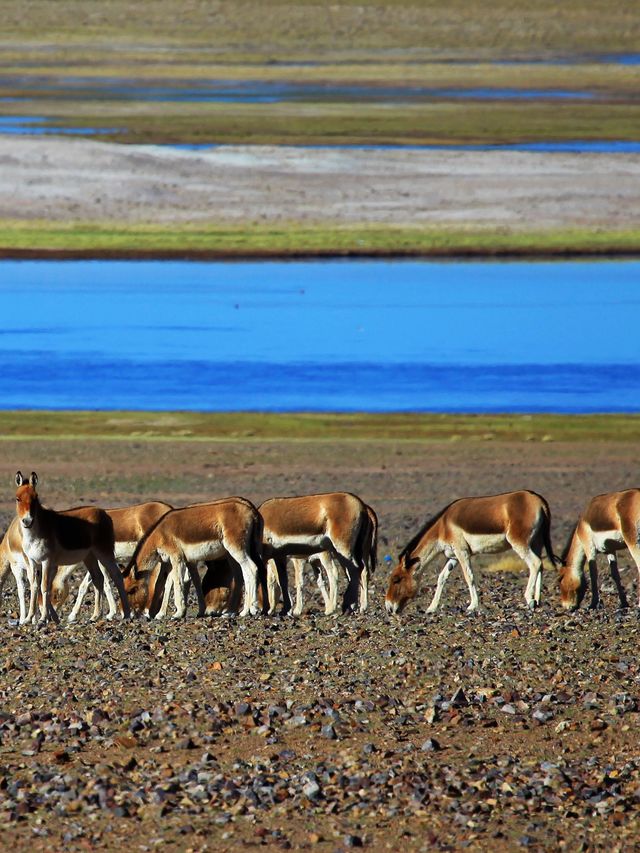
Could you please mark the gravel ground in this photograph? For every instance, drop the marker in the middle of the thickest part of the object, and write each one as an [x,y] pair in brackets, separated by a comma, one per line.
[62,179]
[505,730]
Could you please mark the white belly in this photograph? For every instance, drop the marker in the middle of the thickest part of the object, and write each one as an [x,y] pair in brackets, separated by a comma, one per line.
[278,541]
[210,550]
[491,543]
[607,540]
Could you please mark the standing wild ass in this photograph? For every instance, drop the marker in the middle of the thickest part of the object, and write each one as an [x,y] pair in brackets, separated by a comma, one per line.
[51,539]
[130,523]
[485,525]
[609,523]
[335,527]
[185,537]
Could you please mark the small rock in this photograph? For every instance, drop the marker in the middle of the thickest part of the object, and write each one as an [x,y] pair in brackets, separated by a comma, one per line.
[430,745]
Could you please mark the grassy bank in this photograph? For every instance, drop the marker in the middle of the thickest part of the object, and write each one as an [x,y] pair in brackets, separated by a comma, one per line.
[45,238]
[243,425]
[350,123]
[240,29]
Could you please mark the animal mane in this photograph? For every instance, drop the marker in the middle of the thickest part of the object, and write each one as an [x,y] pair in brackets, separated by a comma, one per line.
[426,526]
[567,547]
[141,542]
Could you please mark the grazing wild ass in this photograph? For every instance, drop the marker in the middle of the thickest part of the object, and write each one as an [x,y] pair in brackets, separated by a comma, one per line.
[335,527]
[185,537]
[485,525]
[130,523]
[609,523]
[51,539]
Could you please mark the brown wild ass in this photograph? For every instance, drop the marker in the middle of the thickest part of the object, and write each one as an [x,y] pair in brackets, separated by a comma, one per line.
[51,539]
[609,523]
[12,559]
[321,561]
[337,523]
[185,537]
[485,525]
[130,523]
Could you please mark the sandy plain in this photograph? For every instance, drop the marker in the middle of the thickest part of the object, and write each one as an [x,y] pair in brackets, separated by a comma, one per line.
[84,180]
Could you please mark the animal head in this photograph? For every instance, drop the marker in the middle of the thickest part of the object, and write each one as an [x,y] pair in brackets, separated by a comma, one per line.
[26,498]
[402,585]
[573,586]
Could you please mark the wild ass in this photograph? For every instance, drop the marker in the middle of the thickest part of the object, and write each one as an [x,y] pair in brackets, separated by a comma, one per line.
[321,561]
[334,526]
[609,523]
[485,525]
[51,539]
[13,560]
[185,537]
[130,524]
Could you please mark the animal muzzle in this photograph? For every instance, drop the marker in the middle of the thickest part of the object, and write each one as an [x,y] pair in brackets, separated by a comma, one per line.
[391,606]
[27,520]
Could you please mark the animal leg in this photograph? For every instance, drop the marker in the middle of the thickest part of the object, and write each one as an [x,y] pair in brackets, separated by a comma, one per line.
[273,586]
[634,550]
[250,576]
[178,568]
[193,574]
[593,576]
[108,562]
[298,583]
[166,598]
[331,569]
[353,572]
[82,591]
[463,558]
[442,579]
[615,574]
[33,575]
[535,579]
[17,570]
[47,610]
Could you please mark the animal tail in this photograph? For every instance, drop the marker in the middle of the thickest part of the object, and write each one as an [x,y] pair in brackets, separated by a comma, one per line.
[373,540]
[258,559]
[546,535]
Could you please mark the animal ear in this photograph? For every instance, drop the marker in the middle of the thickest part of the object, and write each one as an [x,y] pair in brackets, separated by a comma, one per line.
[19,478]
[33,479]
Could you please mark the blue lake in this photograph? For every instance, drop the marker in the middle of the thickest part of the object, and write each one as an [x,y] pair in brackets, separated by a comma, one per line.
[321,336]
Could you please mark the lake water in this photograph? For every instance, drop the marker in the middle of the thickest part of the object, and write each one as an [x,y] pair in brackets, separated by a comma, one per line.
[313,336]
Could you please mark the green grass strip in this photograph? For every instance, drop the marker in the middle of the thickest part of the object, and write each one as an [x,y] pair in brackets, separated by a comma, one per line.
[290,239]
[193,426]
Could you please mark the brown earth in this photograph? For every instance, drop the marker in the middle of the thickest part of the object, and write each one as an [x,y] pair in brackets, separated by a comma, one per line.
[327,733]
[73,179]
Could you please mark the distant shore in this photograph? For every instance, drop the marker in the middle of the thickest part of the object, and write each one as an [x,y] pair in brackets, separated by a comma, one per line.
[84,199]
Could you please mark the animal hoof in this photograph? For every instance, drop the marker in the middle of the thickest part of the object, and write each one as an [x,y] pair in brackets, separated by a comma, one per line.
[532,605]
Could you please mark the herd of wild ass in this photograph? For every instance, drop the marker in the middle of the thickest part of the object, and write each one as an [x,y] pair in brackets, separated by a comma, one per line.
[245,551]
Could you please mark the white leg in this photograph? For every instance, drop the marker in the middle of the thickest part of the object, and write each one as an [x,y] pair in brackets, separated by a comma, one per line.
[33,575]
[364,589]
[298,583]
[535,578]
[82,591]
[273,586]
[463,558]
[18,570]
[178,568]
[250,577]
[538,593]
[332,571]
[166,597]
[442,579]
